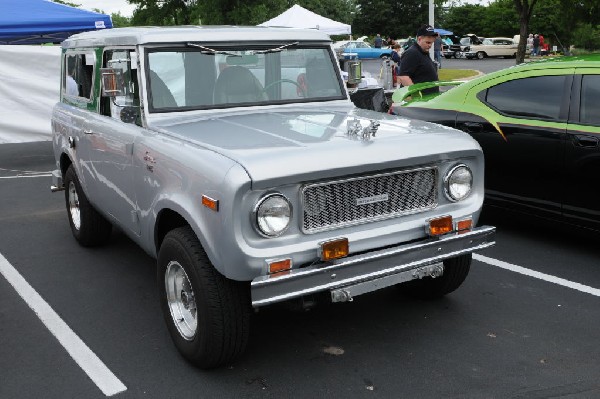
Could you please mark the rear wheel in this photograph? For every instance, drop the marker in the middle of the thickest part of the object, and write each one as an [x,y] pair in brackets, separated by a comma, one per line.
[208,315]
[88,226]
[455,272]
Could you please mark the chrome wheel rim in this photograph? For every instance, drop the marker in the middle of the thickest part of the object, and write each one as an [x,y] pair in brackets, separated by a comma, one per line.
[74,210]
[181,300]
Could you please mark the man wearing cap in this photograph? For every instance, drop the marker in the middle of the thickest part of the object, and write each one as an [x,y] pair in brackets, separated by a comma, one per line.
[416,65]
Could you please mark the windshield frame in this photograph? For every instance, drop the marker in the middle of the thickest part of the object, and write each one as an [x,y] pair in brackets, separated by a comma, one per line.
[262,50]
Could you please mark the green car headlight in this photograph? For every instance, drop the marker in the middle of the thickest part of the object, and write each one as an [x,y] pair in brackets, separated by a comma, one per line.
[273,215]
[458,182]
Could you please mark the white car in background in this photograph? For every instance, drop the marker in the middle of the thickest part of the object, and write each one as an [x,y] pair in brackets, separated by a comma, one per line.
[493,47]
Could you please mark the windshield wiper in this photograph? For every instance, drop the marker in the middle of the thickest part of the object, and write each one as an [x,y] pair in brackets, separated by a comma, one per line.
[208,50]
[276,49]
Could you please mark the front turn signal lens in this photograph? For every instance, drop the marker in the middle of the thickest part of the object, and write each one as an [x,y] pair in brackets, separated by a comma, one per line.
[440,226]
[334,249]
[462,226]
[279,266]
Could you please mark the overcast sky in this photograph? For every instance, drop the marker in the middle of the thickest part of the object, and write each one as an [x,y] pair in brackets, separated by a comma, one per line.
[126,9]
[108,6]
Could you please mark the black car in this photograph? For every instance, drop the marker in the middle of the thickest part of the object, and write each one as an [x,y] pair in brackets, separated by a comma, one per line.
[539,127]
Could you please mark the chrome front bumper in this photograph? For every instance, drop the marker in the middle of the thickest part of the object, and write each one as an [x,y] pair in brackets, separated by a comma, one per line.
[359,274]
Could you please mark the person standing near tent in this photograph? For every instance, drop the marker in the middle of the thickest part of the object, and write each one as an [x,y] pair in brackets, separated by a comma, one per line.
[417,66]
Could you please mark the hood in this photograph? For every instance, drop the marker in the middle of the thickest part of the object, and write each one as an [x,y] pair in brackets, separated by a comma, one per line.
[295,145]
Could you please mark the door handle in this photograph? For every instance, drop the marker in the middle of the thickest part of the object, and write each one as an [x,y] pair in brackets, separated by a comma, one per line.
[585,141]
[88,131]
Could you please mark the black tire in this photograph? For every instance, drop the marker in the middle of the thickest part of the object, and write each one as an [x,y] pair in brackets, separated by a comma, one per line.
[455,272]
[88,226]
[208,315]
[480,55]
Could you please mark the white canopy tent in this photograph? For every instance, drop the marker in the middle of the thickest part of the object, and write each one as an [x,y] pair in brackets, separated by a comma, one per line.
[299,17]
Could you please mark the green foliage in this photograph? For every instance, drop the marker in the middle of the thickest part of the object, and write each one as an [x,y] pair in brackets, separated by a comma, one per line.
[397,19]
[587,37]
[120,21]
[232,12]
[562,22]
[470,18]
[67,3]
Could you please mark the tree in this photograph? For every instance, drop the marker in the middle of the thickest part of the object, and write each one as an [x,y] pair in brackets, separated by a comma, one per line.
[392,18]
[465,19]
[120,21]
[67,3]
[525,10]
[162,12]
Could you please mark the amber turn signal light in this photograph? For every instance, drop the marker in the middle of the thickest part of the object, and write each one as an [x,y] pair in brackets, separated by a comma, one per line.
[334,249]
[210,203]
[440,226]
[279,266]
[464,225]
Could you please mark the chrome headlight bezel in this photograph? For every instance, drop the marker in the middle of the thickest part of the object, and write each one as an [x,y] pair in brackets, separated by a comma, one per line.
[260,214]
[458,182]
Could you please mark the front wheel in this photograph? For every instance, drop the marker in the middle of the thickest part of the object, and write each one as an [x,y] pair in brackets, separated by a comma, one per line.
[480,55]
[208,315]
[455,273]
[88,226]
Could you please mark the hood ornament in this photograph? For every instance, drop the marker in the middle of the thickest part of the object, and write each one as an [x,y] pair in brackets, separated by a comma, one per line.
[356,131]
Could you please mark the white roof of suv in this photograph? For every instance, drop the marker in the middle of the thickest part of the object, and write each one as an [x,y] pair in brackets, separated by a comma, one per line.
[205,34]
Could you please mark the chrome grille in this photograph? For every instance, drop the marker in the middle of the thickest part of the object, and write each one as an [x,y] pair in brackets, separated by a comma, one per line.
[364,199]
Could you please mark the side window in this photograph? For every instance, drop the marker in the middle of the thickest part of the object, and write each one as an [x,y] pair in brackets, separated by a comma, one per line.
[590,100]
[124,60]
[78,76]
[536,97]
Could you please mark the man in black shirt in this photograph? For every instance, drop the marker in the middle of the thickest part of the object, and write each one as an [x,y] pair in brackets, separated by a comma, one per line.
[417,66]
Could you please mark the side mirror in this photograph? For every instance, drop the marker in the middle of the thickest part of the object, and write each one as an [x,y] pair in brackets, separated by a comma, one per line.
[129,114]
[354,72]
[113,82]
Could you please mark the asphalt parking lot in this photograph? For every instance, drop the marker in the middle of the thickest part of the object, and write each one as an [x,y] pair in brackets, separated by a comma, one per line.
[523,325]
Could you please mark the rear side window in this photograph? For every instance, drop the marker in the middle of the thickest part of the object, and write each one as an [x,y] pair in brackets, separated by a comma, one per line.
[78,76]
[590,100]
[538,97]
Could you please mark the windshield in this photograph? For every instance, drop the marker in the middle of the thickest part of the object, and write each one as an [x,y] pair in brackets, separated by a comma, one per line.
[199,77]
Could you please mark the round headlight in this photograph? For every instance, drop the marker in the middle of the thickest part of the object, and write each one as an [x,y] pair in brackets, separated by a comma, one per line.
[459,182]
[273,215]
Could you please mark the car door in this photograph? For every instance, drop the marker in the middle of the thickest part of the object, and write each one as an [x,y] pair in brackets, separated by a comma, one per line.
[582,155]
[110,149]
[521,127]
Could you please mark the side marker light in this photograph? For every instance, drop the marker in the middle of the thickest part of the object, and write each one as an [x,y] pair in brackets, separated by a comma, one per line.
[210,203]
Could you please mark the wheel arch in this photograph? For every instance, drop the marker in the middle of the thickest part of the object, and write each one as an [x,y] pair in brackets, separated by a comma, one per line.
[170,218]
[166,221]
[65,162]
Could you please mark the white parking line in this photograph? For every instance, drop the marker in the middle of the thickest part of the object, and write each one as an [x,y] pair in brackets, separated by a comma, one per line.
[108,383]
[18,177]
[532,273]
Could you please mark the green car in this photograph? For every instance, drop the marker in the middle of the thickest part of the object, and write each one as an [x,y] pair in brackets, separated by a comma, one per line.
[538,124]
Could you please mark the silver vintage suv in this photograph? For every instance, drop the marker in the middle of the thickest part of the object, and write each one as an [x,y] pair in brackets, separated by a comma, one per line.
[234,156]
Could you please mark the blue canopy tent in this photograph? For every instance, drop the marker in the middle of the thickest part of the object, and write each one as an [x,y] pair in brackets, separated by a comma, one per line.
[442,32]
[42,21]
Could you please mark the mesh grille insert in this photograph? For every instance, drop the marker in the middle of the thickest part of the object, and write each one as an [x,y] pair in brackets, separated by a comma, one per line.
[340,203]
